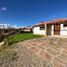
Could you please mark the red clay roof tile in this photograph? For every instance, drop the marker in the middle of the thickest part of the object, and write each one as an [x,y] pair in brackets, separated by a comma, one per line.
[52,22]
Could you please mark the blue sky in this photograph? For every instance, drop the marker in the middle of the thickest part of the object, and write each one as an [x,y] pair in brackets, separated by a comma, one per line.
[30,12]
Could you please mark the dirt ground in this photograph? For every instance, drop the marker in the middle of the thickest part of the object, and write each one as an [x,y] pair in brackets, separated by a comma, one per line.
[39,52]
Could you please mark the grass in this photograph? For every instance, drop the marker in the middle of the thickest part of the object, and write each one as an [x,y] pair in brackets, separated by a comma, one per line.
[22,36]
[17,38]
[7,53]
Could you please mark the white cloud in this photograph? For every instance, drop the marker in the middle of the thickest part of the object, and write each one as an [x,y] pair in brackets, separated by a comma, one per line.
[15,25]
[3,8]
[6,26]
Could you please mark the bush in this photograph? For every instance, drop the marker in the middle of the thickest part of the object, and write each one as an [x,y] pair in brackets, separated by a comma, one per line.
[1,37]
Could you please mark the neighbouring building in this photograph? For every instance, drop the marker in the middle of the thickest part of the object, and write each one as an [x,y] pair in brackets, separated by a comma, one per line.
[54,27]
[26,29]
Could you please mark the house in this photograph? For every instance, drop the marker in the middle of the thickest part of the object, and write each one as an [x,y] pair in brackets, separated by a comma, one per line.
[26,29]
[54,27]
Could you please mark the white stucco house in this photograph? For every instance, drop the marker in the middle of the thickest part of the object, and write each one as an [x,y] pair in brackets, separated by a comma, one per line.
[55,27]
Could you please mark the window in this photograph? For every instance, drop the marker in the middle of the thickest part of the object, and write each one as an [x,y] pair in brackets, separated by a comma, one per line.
[65,25]
[42,27]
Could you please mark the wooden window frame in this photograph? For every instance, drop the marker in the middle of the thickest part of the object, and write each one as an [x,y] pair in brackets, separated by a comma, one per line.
[42,27]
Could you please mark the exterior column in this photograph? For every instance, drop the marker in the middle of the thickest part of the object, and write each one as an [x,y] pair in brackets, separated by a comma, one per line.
[61,29]
[46,29]
[52,30]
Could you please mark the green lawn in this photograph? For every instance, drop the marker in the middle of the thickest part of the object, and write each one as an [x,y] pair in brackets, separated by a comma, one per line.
[6,51]
[22,36]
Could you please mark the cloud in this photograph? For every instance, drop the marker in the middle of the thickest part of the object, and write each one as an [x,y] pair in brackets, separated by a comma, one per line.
[3,8]
[8,26]
[15,25]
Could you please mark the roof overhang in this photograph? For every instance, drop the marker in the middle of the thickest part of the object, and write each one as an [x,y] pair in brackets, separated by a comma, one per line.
[59,21]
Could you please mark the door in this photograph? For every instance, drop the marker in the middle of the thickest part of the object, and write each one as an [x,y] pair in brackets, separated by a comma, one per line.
[57,29]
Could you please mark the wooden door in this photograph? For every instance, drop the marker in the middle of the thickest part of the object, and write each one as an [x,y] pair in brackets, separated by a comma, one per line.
[57,29]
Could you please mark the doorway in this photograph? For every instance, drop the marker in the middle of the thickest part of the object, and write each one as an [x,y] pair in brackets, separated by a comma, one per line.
[57,29]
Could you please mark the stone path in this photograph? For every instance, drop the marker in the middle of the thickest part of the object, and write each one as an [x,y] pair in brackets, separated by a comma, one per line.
[52,50]
[59,36]
[40,52]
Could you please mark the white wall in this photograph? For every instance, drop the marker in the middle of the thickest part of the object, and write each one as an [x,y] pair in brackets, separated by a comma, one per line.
[36,30]
[63,30]
[52,30]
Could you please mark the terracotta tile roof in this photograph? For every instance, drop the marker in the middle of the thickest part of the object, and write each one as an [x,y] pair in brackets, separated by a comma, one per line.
[52,22]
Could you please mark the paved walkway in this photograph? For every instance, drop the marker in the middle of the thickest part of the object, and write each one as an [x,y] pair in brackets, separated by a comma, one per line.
[52,50]
[59,36]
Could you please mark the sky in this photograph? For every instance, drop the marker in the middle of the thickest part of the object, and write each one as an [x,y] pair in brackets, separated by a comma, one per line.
[31,12]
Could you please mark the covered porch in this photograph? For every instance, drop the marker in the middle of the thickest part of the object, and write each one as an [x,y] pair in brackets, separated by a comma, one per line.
[53,29]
